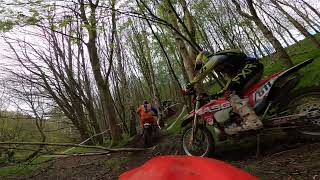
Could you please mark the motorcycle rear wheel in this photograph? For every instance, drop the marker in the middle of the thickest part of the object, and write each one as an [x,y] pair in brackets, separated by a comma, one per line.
[306,100]
[203,144]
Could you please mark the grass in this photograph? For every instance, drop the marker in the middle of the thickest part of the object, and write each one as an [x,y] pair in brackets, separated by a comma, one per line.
[116,163]
[174,123]
[298,53]
[15,127]
[16,170]
[23,168]
[124,141]
[20,128]
[249,169]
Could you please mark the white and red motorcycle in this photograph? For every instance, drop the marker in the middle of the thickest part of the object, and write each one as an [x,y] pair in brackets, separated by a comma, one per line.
[274,99]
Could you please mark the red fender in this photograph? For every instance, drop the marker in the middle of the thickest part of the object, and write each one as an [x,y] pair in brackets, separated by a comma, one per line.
[185,168]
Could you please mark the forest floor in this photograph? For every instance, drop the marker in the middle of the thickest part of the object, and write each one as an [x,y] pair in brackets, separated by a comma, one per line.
[281,160]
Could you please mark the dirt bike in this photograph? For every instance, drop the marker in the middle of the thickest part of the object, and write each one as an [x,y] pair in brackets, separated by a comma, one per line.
[274,99]
[150,133]
[147,134]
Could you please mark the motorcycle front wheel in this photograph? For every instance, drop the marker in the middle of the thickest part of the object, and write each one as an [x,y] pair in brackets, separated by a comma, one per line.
[203,144]
[147,137]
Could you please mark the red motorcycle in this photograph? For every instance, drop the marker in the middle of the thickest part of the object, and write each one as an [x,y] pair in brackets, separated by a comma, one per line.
[274,99]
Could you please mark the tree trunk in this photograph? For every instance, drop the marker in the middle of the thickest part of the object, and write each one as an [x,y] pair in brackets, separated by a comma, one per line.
[123,82]
[312,8]
[104,91]
[191,28]
[133,122]
[283,55]
[297,25]
[188,57]
[303,16]
[279,24]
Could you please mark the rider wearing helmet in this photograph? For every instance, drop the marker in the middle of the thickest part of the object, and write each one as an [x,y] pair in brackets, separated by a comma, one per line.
[147,112]
[241,72]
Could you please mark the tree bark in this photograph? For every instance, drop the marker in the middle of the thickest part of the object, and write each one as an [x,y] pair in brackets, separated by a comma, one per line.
[188,57]
[133,122]
[283,55]
[104,91]
[303,16]
[312,8]
[279,24]
[297,25]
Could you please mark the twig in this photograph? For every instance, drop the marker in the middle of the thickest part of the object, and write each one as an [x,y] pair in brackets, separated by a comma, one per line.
[79,154]
[87,140]
[75,145]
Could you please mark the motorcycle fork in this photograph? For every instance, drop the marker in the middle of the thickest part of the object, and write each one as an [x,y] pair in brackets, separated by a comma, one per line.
[195,120]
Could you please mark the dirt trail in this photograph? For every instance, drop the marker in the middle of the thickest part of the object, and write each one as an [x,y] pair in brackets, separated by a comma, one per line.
[297,161]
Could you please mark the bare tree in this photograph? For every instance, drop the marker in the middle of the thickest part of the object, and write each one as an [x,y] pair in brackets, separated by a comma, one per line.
[253,16]
[297,25]
[102,84]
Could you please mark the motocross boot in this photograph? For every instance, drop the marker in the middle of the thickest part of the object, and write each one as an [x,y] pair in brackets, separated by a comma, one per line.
[250,120]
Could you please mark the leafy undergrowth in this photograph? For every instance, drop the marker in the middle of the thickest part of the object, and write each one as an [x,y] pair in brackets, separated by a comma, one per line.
[23,168]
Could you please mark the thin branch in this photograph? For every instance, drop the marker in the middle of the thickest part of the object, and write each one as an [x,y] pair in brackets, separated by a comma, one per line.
[73,145]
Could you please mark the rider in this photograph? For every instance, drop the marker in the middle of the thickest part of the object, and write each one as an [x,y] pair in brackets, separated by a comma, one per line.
[241,71]
[147,112]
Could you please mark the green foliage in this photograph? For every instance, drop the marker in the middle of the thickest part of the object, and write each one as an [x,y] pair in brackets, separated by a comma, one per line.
[122,143]
[117,162]
[88,27]
[66,20]
[23,168]
[249,169]
[6,25]
[174,123]
[23,14]
[16,170]
[17,127]
[299,52]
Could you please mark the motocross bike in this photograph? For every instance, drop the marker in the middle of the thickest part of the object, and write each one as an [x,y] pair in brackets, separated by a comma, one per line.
[150,133]
[147,134]
[273,99]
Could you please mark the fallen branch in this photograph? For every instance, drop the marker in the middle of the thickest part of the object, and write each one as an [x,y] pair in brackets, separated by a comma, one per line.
[74,145]
[87,140]
[79,154]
